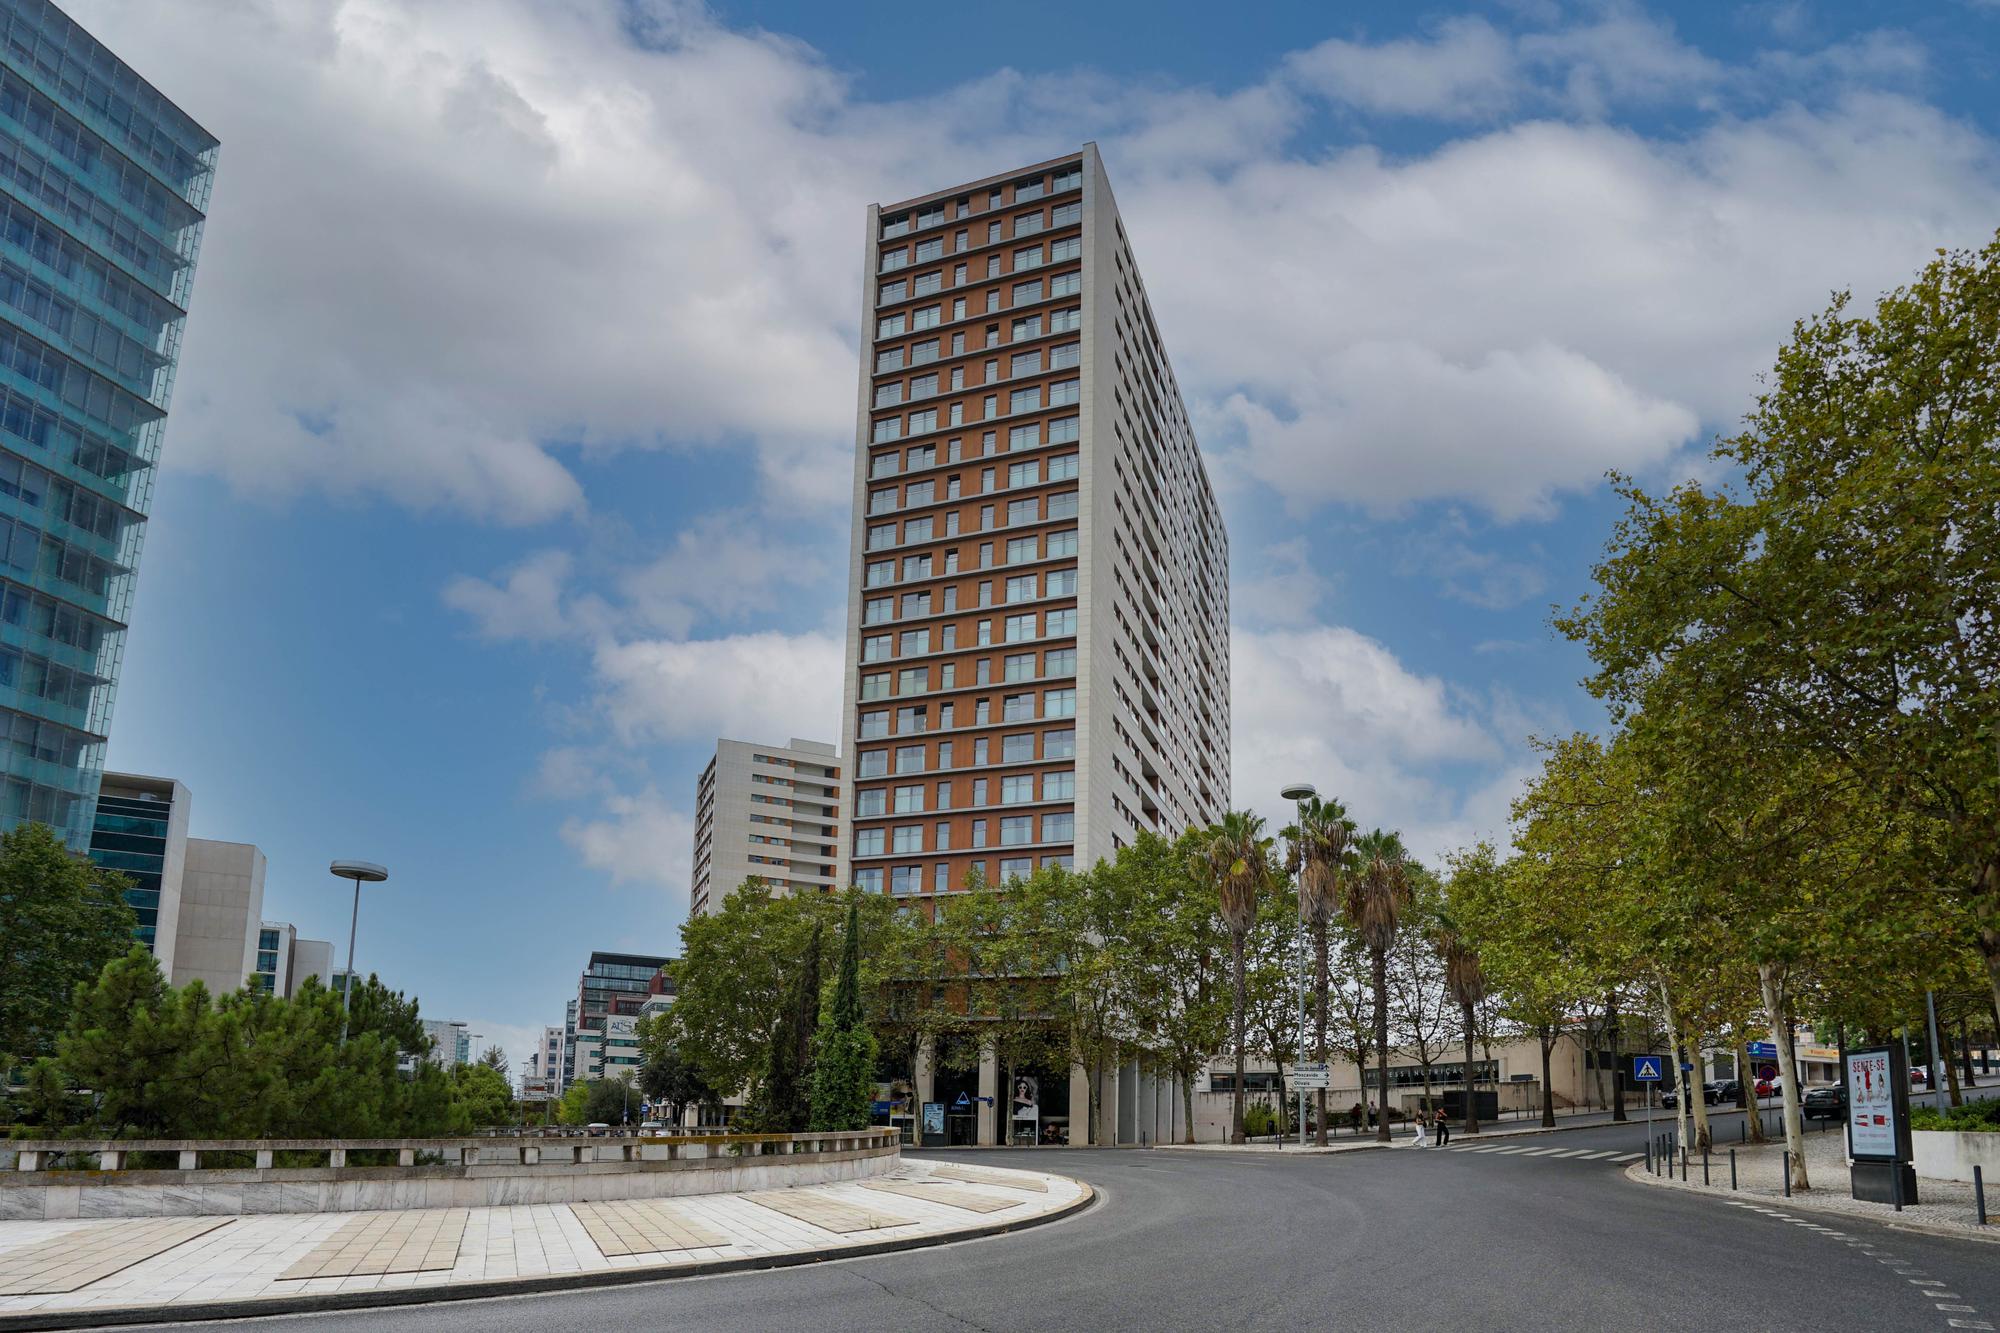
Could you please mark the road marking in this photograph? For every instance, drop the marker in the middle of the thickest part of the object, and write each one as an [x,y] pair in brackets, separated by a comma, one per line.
[1968,1323]
[1630,1156]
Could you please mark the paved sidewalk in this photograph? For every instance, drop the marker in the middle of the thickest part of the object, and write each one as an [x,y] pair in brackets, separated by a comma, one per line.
[86,1272]
[1947,1207]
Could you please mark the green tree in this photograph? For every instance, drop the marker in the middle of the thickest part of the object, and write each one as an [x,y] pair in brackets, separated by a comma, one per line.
[1234,855]
[1378,893]
[573,1108]
[61,920]
[1322,848]
[1177,960]
[495,1059]
[480,1098]
[844,1050]
[1464,977]
[781,1102]
[736,966]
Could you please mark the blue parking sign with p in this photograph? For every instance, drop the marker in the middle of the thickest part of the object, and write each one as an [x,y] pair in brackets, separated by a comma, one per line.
[1646,1068]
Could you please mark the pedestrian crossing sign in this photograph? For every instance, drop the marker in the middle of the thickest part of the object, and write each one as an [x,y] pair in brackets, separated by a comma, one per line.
[1645,1069]
[963,1103]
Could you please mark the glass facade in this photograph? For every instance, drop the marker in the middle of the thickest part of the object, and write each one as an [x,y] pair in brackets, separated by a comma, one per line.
[130,835]
[103,185]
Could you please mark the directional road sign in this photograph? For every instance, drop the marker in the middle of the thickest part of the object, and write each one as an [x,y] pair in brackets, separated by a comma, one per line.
[1646,1068]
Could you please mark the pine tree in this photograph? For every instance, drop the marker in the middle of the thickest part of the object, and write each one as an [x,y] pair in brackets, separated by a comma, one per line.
[844,1074]
[781,1105]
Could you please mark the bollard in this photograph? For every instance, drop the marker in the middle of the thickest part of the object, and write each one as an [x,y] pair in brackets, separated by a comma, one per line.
[1704,1167]
[1788,1173]
[1896,1185]
[1732,1168]
[1979,1192]
[1684,1164]
[1649,1157]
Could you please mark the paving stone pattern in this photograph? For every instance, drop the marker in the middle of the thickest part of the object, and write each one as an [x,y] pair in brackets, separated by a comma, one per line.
[825,1211]
[76,1259]
[643,1226]
[1013,1180]
[375,1243]
[948,1193]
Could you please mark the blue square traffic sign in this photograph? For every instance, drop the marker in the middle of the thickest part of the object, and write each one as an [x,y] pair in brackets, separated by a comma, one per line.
[1646,1068]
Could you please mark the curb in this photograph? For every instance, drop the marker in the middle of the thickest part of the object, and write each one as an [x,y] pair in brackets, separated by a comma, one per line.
[488,1288]
[1636,1173]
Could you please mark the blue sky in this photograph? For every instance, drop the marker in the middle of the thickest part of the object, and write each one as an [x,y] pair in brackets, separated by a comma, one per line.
[512,438]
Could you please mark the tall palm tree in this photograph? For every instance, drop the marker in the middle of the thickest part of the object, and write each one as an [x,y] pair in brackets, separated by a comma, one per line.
[1235,857]
[1466,980]
[1321,848]
[1377,895]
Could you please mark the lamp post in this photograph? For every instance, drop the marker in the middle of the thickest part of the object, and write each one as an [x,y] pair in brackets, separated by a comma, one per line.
[1298,794]
[360,872]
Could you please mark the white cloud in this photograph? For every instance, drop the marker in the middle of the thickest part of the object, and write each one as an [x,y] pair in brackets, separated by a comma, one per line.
[1466,69]
[723,565]
[762,686]
[527,603]
[638,838]
[1285,590]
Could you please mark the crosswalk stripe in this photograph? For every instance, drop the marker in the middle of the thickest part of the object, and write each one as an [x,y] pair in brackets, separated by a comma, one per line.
[1575,1152]
[1630,1156]
[1600,1156]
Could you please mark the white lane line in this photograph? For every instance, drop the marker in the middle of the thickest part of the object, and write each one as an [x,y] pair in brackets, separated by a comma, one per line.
[1630,1156]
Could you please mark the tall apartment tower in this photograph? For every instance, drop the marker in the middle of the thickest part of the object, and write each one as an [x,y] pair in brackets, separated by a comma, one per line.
[769,812]
[103,183]
[1038,634]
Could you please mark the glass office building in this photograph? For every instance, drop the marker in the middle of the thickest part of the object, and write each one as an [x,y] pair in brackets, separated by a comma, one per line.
[103,184]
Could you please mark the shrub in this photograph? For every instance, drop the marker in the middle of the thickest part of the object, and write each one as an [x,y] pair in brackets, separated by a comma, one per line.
[1972,1118]
[1258,1120]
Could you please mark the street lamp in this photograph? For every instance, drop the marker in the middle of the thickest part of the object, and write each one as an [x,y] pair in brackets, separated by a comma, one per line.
[1299,793]
[360,872]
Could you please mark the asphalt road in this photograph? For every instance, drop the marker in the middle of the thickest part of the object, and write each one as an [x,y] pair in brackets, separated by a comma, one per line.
[1381,1241]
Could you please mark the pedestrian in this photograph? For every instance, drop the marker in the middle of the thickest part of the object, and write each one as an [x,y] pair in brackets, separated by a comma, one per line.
[1418,1121]
[1443,1124]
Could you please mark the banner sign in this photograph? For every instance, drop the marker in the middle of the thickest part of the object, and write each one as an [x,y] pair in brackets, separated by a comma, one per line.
[1027,1097]
[1878,1105]
[933,1117]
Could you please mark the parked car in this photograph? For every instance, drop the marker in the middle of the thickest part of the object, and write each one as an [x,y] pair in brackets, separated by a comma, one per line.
[1919,1074]
[1828,1103]
[1770,1087]
[1730,1089]
[1711,1094]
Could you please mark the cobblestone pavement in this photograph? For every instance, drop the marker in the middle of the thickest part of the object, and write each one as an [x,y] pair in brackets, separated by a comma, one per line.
[153,1262]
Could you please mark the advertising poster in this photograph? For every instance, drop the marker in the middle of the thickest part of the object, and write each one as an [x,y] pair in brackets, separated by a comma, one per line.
[933,1118]
[1872,1105]
[1027,1097]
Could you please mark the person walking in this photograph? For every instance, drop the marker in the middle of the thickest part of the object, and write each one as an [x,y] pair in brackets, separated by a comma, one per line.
[1419,1121]
[1443,1123]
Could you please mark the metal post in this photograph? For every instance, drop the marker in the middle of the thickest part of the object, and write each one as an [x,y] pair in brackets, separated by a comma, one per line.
[1704,1166]
[1732,1169]
[1937,1083]
[1788,1173]
[347,991]
[1979,1191]
[1684,1164]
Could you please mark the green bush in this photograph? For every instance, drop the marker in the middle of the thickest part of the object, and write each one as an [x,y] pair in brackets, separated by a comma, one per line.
[1258,1120]
[1972,1118]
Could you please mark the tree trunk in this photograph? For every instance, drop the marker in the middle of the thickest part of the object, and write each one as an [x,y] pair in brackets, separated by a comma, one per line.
[1618,1115]
[1546,1034]
[1704,1133]
[1771,976]
[1965,1051]
[1378,960]
[1187,1101]
[1319,1023]
[1747,1091]
[1943,1057]
[1236,981]
[1469,1083]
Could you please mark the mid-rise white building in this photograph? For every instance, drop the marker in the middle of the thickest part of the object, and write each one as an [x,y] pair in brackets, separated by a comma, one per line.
[768,812]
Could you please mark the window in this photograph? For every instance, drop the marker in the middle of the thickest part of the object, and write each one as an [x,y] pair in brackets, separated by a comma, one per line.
[876,610]
[978,833]
[909,800]
[943,798]
[1062,467]
[1062,583]
[890,292]
[1014,749]
[905,880]
[1059,703]
[944,755]
[986,592]
[889,360]
[909,838]
[958,270]
[1059,786]
[1017,708]
[1066,284]
[897,227]
[1027,190]
[1059,745]
[1062,543]
[1069,178]
[880,572]
[931,217]
[890,326]
[958,308]
[888,428]
[992,403]
[1025,400]
[957,382]
[1027,293]
[923,456]
[869,879]
[993,301]
[1019,666]
[923,386]
[979,791]
[985,632]
[923,422]
[1059,662]
[1062,321]
[895,259]
[917,529]
[909,721]
[1024,474]
[1021,588]
[916,604]
[1066,213]
[881,502]
[942,882]
[1017,829]
[1063,504]
[993,227]
[1027,224]
[924,352]
[916,566]
[912,680]
[1021,548]
[875,648]
[870,802]
[1027,257]
[1020,627]
[881,535]
[875,685]
[1016,867]
[868,842]
[1069,247]
[1025,363]
[1017,789]
[979,758]
[874,725]
[910,758]
[1064,392]
[1031,327]
[1060,827]
[926,317]
[1024,437]
[1062,430]
[931,249]
[913,641]
[1025,510]
[982,712]
[928,283]
[874,763]
[1062,623]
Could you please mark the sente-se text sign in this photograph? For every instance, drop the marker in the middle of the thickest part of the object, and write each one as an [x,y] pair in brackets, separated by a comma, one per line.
[1878,1106]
